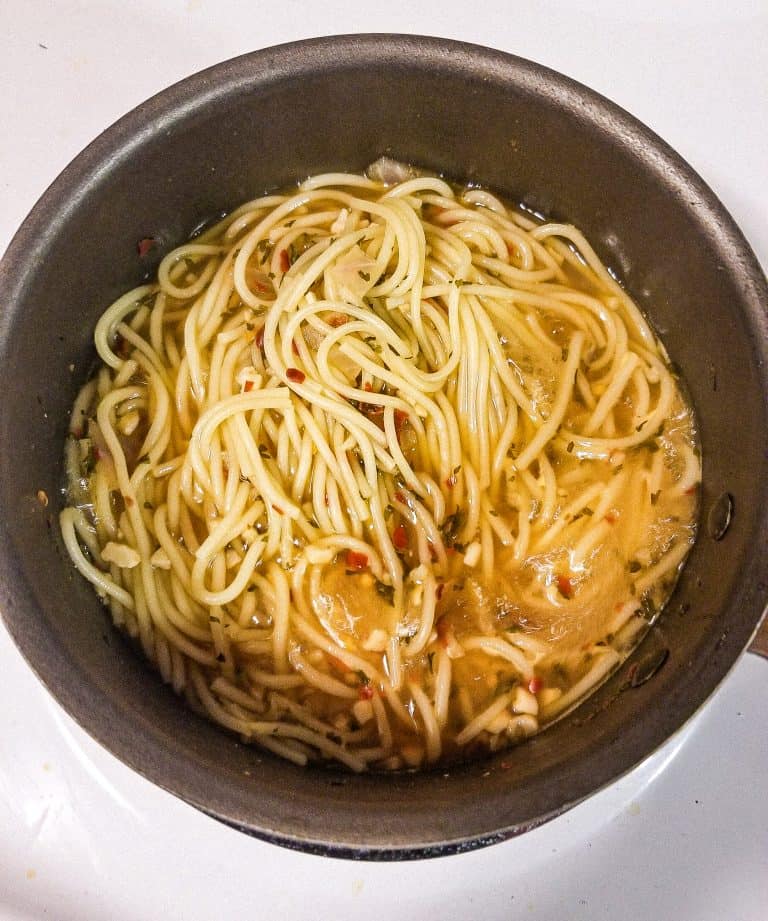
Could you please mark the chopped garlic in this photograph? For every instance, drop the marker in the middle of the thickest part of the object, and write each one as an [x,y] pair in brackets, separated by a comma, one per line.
[524,702]
[129,422]
[522,726]
[350,277]
[340,224]
[472,555]
[121,555]
[160,560]
[415,597]
[342,722]
[419,574]
[249,374]
[390,171]
[377,641]
[363,711]
[86,446]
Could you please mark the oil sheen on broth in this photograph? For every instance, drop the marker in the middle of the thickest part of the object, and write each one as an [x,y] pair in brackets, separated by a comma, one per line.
[382,471]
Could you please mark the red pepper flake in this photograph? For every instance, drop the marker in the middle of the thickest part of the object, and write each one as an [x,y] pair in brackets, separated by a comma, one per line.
[365,692]
[368,388]
[356,561]
[338,665]
[145,245]
[400,537]
[691,491]
[535,684]
[260,337]
[400,496]
[294,347]
[618,606]
[285,260]
[293,374]
[400,417]
[259,282]
[432,550]
[248,386]
[451,481]
[278,509]
[339,319]
[444,630]
[612,517]
[129,503]
[565,587]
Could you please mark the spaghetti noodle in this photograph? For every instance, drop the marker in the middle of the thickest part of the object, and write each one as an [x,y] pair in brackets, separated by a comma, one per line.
[386,474]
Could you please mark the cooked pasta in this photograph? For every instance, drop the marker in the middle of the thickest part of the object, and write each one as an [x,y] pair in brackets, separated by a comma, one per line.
[385,473]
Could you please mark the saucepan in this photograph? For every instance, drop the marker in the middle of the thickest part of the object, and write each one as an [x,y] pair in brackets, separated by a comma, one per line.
[269,119]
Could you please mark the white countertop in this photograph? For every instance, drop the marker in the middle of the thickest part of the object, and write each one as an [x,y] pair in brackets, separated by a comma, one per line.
[684,837]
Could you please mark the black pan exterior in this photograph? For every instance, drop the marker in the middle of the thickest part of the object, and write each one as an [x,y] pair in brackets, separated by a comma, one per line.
[274,117]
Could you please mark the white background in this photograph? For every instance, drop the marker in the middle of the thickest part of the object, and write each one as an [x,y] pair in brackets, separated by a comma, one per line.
[685,836]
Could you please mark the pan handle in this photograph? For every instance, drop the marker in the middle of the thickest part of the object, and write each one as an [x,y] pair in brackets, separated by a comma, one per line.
[759,642]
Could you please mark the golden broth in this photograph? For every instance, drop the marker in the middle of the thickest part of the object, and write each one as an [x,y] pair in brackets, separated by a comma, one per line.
[387,474]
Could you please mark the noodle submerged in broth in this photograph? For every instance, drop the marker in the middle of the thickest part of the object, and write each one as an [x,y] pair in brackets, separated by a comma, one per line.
[386,473]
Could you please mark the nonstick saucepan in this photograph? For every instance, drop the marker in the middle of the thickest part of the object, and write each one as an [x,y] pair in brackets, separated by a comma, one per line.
[269,119]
